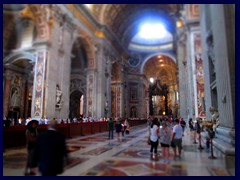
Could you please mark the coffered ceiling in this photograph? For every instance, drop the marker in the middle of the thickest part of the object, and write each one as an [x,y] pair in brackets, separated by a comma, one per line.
[161,67]
[123,19]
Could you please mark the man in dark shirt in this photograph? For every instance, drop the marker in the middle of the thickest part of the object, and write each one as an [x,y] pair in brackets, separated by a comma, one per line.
[51,151]
[110,128]
[183,125]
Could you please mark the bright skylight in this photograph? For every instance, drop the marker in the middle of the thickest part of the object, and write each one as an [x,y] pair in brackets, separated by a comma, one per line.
[152,31]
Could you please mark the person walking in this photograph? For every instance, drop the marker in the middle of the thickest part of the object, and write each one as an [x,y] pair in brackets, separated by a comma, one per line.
[51,150]
[192,130]
[126,124]
[110,128]
[183,124]
[118,127]
[177,138]
[199,130]
[31,138]
[154,135]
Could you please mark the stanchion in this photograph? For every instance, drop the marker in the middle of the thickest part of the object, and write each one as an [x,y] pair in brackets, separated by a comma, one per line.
[200,144]
[212,156]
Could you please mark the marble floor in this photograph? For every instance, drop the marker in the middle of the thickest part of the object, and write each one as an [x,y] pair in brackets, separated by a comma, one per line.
[95,155]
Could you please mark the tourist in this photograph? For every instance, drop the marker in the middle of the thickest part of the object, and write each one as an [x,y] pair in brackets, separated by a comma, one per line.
[154,135]
[110,128]
[183,124]
[176,142]
[118,127]
[51,150]
[165,141]
[31,138]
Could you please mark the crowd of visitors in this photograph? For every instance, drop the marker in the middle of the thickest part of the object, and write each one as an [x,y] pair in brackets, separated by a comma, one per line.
[166,132]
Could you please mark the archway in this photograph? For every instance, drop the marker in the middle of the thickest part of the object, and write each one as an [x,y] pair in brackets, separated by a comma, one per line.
[76,104]
[79,65]
[18,86]
[161,73]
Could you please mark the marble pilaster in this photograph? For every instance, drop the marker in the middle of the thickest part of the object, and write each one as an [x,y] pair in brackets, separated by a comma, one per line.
[38,87]
[6,96]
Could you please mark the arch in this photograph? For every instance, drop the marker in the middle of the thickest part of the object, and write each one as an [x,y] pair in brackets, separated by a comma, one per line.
[78,83]
[89,48]
[17,56]
[75,99]
[171,55]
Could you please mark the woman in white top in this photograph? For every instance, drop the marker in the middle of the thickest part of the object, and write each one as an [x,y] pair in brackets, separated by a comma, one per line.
[154,135]
[126,124]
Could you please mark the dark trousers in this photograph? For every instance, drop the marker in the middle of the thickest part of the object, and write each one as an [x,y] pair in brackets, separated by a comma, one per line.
[154,145]
[110,134]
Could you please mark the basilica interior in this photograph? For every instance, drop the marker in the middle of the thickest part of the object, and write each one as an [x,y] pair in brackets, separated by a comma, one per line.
[133,61]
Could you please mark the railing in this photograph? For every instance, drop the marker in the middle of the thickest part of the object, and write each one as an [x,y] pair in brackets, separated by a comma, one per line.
[14,136]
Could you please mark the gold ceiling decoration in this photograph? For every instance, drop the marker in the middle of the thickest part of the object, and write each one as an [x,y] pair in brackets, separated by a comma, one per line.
[161,67]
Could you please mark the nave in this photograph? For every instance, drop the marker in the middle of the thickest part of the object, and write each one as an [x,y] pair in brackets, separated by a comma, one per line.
[95,155]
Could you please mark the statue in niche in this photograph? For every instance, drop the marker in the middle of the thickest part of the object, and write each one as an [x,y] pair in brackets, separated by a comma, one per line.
[58,97]
[15,98]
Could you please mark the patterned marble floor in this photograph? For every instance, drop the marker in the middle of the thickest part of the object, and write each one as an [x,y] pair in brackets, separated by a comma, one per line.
[95,155]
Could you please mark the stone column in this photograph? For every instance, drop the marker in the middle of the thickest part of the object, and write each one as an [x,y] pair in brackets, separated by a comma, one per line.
[182,76]
[23,97]
[6,93]
[38,86]
[91,92]
[141,107]
[220,21]
[108,103]
[122,91]
[100,81]
[118,99]
[27,86]
[224,53]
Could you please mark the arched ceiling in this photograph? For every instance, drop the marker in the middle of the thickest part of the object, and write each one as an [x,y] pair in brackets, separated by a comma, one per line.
[123,19]
[161,67]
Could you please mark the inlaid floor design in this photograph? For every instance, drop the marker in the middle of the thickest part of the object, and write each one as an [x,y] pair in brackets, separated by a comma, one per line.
[95,155]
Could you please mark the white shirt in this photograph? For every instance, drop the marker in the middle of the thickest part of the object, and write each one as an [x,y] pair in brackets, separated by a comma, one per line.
[27,121]
[45,121]
[177,129]
[154,133]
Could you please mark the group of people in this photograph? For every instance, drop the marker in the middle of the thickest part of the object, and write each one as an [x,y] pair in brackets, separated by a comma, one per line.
[47,151]
[120,128]
[169,135]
